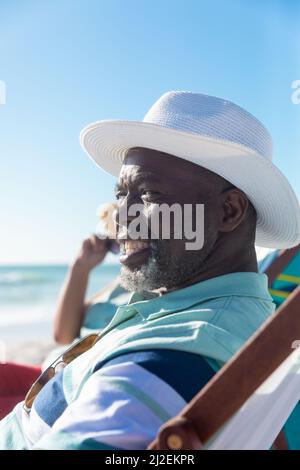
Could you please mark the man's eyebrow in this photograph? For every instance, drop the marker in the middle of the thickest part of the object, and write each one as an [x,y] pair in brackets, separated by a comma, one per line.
[138,179]
[145,175]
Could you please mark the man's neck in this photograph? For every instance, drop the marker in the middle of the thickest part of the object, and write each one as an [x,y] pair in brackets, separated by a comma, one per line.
[219,264]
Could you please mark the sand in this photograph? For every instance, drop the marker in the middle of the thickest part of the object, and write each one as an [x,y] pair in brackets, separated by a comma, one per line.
[29,352]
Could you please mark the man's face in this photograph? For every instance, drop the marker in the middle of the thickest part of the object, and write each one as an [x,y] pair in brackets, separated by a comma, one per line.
[152,178]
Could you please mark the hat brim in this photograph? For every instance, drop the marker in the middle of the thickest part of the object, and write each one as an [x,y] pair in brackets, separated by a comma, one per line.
[278,212]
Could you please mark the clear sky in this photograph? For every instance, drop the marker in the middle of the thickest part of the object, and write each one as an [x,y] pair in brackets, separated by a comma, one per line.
[70,62]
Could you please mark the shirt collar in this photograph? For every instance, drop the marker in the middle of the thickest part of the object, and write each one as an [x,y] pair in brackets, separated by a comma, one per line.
[245,284]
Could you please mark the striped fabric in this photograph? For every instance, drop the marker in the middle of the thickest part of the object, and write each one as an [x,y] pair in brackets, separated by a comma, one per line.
[280,290]
[121,406]
[152,359]
[287,281]
[127,400]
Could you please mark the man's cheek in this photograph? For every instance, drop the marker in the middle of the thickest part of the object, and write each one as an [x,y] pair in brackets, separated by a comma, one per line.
[176,248]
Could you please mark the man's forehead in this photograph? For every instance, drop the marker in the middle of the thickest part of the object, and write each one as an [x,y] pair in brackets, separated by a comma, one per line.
[147,159]
[155,164]
[152,158]
[143,164]
[136,174]
[151,164]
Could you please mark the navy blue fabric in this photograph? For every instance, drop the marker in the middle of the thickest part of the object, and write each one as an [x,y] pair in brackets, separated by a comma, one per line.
[50,403]
[185,372]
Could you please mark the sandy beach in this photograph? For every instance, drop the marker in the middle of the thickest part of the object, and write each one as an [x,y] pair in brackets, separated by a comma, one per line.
[30,352]
[28,300]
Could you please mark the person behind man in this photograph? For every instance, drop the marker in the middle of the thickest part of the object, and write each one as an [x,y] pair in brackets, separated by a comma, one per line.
[190,310]
[75,315]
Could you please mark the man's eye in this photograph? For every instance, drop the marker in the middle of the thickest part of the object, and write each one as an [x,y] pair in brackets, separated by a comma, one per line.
[120,194]
[150,193]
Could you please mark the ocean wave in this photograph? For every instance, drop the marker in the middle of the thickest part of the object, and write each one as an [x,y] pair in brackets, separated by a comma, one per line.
[28,316]
[19,277]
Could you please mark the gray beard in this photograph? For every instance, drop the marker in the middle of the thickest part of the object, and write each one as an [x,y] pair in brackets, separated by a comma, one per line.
[162,270]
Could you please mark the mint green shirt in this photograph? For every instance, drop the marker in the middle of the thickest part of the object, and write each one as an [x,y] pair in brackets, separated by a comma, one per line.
[212,318]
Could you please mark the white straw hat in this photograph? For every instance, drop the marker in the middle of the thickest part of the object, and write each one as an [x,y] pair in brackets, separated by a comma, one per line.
[215,134]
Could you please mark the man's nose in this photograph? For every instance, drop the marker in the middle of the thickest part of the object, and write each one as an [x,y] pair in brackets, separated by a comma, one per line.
[122,216]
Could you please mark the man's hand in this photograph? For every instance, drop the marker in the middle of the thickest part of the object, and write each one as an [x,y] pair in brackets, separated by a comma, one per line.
[92,252]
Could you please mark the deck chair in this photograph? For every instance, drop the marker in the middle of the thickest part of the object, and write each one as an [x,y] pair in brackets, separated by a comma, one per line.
[283,273]
[283,270]
[267,371]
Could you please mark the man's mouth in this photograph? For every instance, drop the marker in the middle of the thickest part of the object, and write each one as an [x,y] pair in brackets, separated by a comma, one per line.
[134,253]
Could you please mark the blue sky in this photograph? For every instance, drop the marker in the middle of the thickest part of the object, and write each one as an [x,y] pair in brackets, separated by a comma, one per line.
[70,62]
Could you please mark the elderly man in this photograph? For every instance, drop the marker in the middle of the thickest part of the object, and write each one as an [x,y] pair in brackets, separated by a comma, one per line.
[191,309]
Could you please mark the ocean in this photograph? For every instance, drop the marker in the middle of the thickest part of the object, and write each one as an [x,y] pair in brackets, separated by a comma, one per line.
[28,295]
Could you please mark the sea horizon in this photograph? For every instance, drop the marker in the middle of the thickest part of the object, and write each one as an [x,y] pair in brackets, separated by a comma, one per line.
[29,293]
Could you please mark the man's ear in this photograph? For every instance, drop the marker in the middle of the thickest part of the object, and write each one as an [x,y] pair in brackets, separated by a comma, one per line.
[233,210]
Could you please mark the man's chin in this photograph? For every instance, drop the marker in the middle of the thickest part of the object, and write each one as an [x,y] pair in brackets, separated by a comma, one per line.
[140,278]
